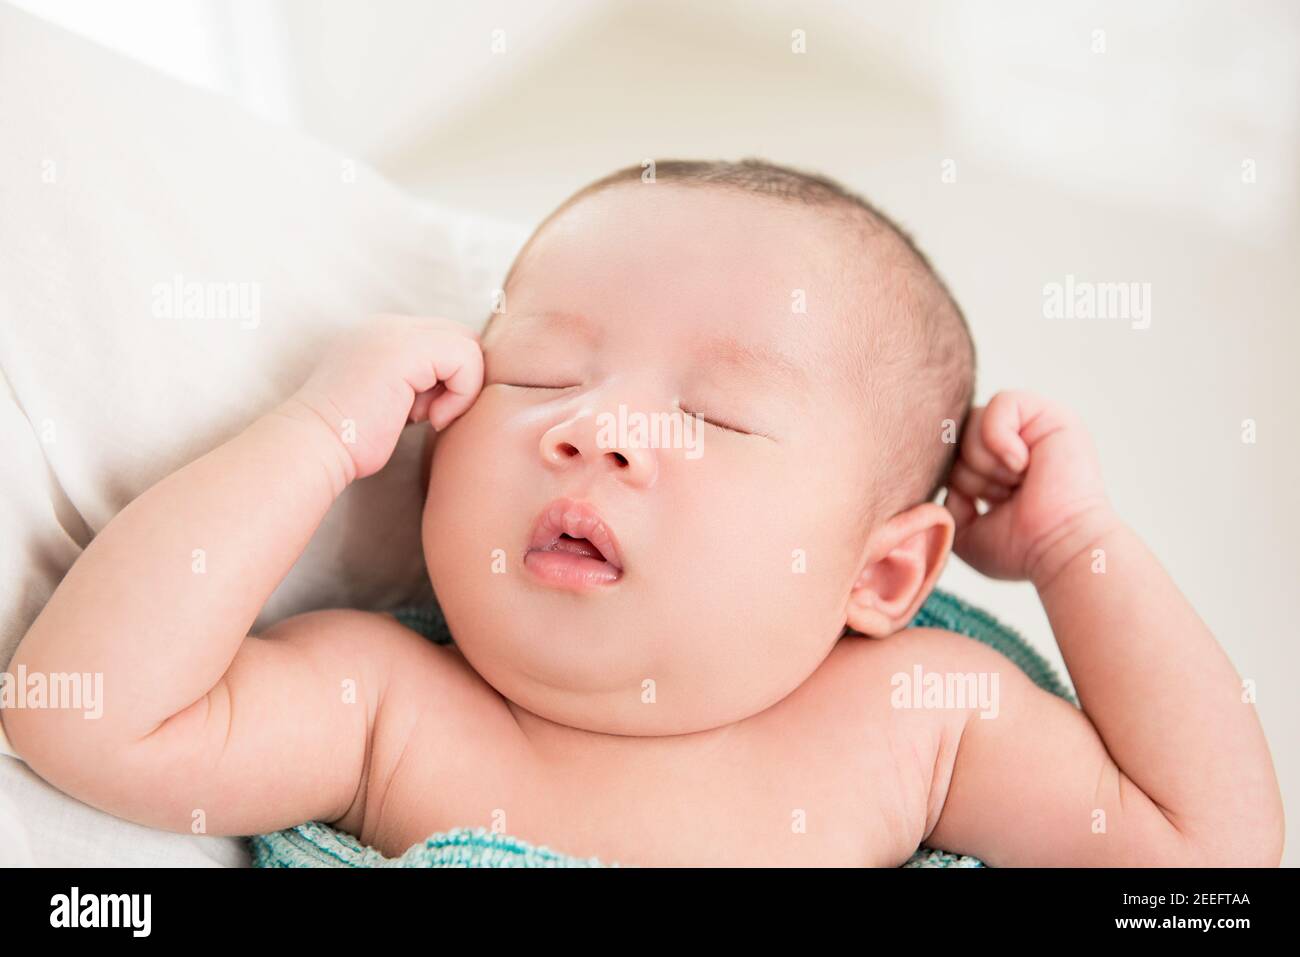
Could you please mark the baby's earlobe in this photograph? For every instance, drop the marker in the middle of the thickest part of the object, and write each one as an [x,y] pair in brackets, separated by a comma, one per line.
[865,618]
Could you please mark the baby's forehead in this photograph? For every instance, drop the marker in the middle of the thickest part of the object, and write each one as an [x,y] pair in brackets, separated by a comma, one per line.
[664,259]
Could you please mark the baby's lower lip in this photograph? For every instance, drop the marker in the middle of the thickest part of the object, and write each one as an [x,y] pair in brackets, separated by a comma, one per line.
[567,570]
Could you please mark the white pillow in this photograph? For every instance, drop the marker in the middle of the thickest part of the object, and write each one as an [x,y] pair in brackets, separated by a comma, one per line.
[117,186]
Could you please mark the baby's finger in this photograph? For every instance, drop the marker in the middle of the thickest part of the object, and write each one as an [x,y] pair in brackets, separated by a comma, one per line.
[423,401]
[460,370]
[961,507]
[1007,415]
[973,485]
[977,454]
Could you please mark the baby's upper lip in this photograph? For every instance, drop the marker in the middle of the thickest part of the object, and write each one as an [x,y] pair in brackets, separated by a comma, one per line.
[566,516]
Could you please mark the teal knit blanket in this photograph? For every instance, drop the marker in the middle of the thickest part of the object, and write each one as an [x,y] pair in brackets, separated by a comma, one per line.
[316,844]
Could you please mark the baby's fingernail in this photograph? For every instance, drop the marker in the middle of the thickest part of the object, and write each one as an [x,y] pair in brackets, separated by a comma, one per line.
[1016,460]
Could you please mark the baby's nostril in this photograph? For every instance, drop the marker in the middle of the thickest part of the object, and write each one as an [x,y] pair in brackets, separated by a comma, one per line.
[568,450]
[620,459]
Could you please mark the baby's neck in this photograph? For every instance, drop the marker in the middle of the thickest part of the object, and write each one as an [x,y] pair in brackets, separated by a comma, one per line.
[559,740]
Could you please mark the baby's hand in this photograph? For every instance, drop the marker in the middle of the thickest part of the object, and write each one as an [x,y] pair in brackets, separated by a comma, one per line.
[1034,463]
[391,371]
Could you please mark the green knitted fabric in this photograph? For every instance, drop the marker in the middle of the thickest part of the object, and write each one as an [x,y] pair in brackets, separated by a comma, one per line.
[315,844]
[318,845]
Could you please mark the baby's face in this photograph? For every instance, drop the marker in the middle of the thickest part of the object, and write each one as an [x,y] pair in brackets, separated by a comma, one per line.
[737,549]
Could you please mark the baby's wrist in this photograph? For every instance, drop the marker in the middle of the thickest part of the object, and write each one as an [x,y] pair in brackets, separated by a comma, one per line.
[305,424]
[1081,534]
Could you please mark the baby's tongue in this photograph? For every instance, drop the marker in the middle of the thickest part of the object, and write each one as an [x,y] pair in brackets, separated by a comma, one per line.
[578,546]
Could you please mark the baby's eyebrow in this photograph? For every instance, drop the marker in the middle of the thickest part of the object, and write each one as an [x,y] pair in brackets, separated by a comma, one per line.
[756,361]
[720,352]
[559,322]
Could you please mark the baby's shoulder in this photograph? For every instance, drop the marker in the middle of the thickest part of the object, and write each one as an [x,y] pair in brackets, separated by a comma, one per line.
[433,704]
[852,698]
[874,687]
[870,665]
[426,676]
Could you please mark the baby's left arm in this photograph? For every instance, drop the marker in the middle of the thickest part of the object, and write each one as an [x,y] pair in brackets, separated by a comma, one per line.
[1167,763]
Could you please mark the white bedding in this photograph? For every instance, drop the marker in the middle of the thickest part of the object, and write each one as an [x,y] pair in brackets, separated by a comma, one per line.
[118,184]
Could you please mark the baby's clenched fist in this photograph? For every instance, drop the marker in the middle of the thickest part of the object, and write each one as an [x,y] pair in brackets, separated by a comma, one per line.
[1033,462]
[391,371]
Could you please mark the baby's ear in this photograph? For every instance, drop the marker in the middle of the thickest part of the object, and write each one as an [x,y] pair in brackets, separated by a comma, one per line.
[902,562]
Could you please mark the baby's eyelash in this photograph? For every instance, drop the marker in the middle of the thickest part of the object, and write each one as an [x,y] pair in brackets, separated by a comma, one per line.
[703,418]
[717,425]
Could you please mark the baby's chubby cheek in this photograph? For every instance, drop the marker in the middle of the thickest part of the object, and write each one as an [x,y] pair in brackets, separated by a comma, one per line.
[812,517]
[475,467]
[814,573]
[763,551]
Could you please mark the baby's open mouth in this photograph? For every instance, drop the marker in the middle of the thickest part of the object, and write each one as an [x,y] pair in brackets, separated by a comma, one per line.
[572,547]
[576,546]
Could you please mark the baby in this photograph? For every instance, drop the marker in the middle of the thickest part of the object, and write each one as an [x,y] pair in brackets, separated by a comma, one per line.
[684,652]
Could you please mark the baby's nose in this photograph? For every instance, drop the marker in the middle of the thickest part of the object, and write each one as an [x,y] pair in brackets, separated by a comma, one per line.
[594,440]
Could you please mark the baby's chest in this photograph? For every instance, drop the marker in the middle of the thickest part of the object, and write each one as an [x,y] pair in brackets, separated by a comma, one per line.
[725,813]
[732,810]
[801,794]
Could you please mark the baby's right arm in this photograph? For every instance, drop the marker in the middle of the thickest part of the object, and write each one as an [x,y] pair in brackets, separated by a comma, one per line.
[197,716]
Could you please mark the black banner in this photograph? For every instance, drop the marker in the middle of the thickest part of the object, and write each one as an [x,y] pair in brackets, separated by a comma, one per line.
[337,906]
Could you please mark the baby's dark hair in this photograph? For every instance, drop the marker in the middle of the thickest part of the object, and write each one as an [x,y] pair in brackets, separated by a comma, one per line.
[919,358]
